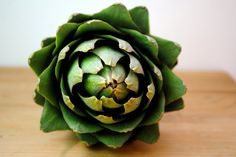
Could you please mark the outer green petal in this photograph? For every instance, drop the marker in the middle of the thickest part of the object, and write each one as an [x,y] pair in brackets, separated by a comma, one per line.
[47,41]
[176,105]
[47,84]
[126,125]
[79,18]
[155,110]
[52,119]
[141,18]
[41,59]
[117,15]
[113,139]
[146,44]
[93,27]
[168,51]
[65,32]
[78,124]
[173,85]
[88,139]
[39,99]
[148,134]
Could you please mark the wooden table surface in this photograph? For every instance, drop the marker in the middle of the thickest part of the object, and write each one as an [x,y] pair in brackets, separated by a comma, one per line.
[205,128]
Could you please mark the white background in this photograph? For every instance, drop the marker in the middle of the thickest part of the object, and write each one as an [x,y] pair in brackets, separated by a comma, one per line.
[206,29]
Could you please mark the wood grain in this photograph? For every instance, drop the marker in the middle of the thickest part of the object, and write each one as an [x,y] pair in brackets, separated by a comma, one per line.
[206,127]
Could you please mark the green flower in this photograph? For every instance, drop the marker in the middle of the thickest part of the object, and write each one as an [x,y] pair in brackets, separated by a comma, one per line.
[106,78]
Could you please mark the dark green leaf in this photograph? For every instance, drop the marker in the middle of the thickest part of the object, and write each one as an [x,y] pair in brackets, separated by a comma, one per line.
[117,15]
[141,18]
[52,119]
[39,99]
[79,18]
[47,85]
[148,134]
[94,26]
[168,51]
[77,123]
[176,105]
[146,44]
[112,139]
[173,85]
[64,32]
[155,111]
[47,41]
[88,139]
[126,125]
[41,59]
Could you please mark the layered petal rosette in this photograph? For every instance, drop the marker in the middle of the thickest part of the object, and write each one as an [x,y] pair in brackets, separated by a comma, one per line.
[104,77]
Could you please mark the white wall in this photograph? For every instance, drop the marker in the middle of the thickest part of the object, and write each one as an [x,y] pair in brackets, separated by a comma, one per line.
[206,29]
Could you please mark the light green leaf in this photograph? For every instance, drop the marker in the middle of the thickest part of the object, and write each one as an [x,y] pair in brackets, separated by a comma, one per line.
[126,125]
[91,64]
[88,139]
[77,123]
[67,100]
[176,105]
[113,139]
[52,119]
[148,134]
[141,18]
[40,59]
[155,110]
[64,32]
[47,84]
[62,56]
[117,15]
[173,85]
[93,84]
[168,51]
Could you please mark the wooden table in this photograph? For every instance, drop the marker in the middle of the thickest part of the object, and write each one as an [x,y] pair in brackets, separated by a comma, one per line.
[205,128]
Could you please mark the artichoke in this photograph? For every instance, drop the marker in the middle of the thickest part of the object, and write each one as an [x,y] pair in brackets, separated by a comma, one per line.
[106,78]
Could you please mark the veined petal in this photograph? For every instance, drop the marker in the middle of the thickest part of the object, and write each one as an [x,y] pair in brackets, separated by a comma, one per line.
[75,75]
[109,102]
[67,100]
[86,45]
[132,104]
[93,103]
[135,65]
[91,64]
[108,55]
[93,84]
[118,73]
[132,81]
[121,91]
[105,119]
